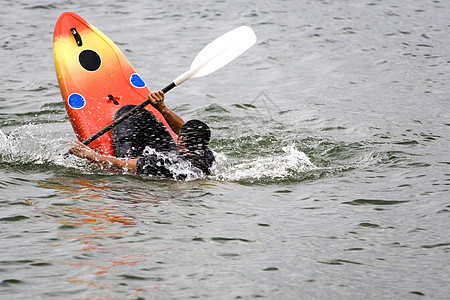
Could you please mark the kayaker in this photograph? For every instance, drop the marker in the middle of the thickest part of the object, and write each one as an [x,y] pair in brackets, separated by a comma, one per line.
[143,145]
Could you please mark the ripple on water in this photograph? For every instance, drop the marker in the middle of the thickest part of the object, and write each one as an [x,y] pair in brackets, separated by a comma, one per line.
[374,202]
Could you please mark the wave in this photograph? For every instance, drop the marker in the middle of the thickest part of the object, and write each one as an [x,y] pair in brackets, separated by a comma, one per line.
[34,145]
[40,146]
[291,164]
[267,158]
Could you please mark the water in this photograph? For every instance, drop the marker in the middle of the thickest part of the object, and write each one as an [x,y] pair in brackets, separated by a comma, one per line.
[331,133]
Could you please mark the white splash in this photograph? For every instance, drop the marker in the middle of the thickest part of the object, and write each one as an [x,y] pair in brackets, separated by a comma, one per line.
[285,165]
[3,141]
[31,144]
[34,144]
[176,166]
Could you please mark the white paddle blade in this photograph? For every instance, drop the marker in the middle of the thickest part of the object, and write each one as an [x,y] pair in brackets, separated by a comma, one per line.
[219,52]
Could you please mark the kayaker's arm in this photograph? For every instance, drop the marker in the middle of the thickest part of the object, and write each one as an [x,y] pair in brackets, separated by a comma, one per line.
[157,100]
[109,162]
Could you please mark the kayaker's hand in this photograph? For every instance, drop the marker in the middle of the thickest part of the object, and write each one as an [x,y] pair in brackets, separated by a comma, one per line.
[81,150]
[156,99]
[104,161]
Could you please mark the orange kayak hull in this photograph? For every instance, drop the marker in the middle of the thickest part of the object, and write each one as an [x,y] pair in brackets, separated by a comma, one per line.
[95,79]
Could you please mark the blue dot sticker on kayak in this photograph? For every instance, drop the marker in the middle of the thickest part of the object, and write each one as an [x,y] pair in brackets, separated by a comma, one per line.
[137,81]
[76,101]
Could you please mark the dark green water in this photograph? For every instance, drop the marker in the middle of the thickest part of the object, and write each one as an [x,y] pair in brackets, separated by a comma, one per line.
[331,135]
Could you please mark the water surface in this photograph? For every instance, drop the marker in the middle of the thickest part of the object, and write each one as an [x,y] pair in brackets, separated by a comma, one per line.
[331,133]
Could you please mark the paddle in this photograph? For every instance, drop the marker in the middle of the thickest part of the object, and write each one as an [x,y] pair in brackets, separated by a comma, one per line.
[212,57]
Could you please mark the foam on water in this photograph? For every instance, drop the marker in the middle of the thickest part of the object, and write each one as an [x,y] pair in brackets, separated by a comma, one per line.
[287,165]
[33,144]
[3,140]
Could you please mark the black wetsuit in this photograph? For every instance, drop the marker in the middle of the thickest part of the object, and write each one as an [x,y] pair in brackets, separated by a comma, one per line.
[132,137]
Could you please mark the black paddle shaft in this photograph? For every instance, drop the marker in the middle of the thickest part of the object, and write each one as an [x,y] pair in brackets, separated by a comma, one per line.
[124,117]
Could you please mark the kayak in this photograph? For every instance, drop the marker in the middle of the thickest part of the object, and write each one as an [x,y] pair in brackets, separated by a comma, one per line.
[95,79]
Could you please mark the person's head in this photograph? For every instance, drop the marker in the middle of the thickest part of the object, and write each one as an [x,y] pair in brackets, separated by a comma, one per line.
[195,135]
